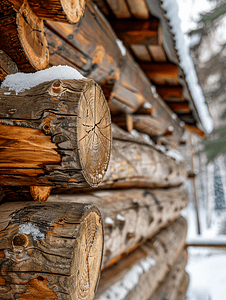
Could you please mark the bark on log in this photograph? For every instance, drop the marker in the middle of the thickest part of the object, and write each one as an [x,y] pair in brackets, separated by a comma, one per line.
[131,216]
[168,290]
[58,10]
[136,164]
[138,275]
[62,136]
[50,250]
[22,37]
[7,66]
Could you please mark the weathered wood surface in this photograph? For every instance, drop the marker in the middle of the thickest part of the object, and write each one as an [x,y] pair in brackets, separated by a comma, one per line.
[26,193]
[138,275]
[7,66]
[89,46]
[49,251]
[22,36]
[131,216]
[183,287]
[58,10]
[62,136]
[169,289]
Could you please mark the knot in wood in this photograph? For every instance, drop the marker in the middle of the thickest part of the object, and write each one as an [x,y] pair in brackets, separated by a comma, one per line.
[20,240]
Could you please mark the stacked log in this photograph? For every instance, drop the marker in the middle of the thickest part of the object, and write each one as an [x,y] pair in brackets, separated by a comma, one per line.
[49,250]
[138,275]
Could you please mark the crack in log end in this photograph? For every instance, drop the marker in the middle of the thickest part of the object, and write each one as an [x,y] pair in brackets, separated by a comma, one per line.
[37,289]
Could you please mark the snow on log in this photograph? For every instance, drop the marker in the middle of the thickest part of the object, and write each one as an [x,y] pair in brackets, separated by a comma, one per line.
[49,250]
[131,216]
[56,133]
[138,275]
[170,286]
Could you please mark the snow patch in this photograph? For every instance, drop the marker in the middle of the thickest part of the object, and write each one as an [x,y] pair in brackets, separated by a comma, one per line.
[108,221]
[186,63]
[121,47]
[120,217]
[29,228]
[123,287]
[20,82]
[175,154]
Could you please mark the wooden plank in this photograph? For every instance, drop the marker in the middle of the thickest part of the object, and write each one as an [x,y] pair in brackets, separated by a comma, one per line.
[130,216]
[119,8]
[179,107]
[134,32]
[168,290]
[170,93]
[138,9]
[138,275]
[64,130]
[44,247]
[157,53]
[160,70]
[141,53]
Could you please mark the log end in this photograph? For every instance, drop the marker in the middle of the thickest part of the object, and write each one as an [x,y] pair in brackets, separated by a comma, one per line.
[94,135]
[73,10]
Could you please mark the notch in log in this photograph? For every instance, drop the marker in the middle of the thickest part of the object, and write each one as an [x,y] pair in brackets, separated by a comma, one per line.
[50,250]
[61,137]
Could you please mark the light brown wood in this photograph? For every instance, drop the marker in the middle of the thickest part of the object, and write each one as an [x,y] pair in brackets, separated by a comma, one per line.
[70,139]
[160,70]
[170,93]
[131,216]
[149,125]
[141,52]
[58,10]
[119,8]
[168,290]
[157,53]
[138,8]
[50,250]
[22,193]
[137,276]
[22,37]
[7,66]
[183,287]
[195,130]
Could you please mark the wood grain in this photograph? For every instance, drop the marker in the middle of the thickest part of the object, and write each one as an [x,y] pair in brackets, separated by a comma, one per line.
[50,251]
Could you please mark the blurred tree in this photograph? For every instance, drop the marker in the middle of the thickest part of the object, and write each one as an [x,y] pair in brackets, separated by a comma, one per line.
[208,50]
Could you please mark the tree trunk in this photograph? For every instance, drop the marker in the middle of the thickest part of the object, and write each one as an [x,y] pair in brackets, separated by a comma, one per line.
[50,250]
[62,136]
[169,289]
[131,216]
[22,37]
[138,275]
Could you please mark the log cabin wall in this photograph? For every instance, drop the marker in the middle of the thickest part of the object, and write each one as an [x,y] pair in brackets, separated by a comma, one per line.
[140,196]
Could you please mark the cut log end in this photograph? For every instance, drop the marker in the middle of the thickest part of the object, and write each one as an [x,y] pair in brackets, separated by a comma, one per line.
[40,193]
[74,10]
[50,250]
[94,135]
[32,37]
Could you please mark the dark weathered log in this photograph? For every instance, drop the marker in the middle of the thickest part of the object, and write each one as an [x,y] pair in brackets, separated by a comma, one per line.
[22,37]
[168,290]
[183,287]
[131,216]
[125,121]
[69,139]
[22,193]
[133,32]
[90,46]
[58,10]
[49,250]
[138,275]
[7,66]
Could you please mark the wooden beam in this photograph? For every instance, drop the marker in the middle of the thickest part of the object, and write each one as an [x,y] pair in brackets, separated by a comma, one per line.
[138,8]
[49,250]
[62,135]
[157,53]
[141,53]
[179,107]
[147,266]
[135,32]
[119,8]
[195,130]
[160,70]
[169,288]
[130,216]
[124,121]
[170,93]
[22,193]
